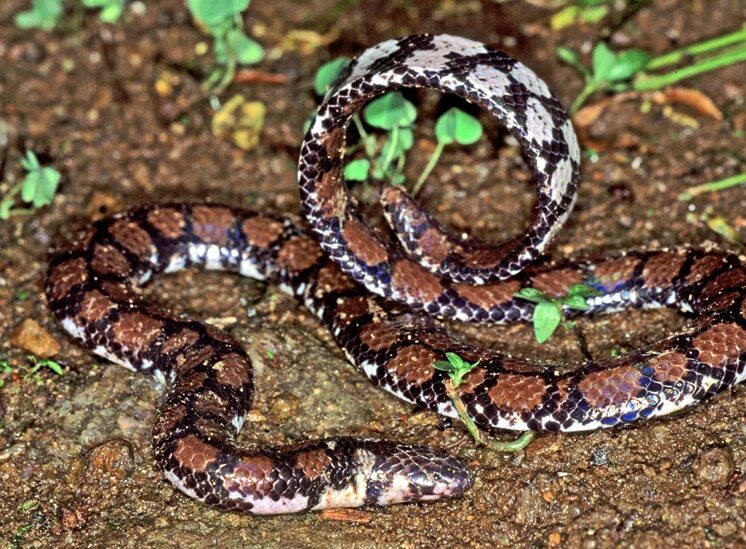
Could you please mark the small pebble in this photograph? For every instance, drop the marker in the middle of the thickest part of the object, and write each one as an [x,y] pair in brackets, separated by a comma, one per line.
[600,456]
[714,467]
[285,406]
[73,518]
[31,337]
[114,458]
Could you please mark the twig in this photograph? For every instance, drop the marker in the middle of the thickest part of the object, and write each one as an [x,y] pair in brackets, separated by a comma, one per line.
[254,76]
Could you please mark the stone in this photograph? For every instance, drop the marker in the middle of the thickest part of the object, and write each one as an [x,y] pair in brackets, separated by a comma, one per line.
[31,337]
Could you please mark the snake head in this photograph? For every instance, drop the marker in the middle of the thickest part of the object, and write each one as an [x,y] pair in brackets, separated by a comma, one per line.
[402,473]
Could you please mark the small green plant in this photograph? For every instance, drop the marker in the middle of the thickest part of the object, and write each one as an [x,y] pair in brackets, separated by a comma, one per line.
[456,368]
[27,506]
[16,540]
[22,295]
[609,70]
[5,368]
[231,46]
[37,188]
[43,14]
[111,10]
[327,74]
[394,114]
[454,126]
[37,365]
[632,69]
[549,311]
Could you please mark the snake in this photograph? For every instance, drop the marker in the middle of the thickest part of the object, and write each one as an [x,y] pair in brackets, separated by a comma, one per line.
[383,294]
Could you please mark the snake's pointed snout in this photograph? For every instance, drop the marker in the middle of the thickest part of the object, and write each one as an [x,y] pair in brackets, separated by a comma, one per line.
[418,473]
[447,477]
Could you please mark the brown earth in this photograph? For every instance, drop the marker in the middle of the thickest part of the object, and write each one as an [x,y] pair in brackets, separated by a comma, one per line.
[75,462]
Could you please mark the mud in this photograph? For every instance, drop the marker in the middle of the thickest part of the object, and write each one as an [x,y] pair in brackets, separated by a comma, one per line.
[75,462]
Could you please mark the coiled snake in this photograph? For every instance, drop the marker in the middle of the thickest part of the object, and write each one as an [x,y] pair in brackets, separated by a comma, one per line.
[378,300]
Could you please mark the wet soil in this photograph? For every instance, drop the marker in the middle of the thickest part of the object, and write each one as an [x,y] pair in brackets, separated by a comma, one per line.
[75,462]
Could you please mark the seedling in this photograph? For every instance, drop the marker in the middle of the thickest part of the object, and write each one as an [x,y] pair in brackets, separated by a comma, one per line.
[457,368]
[631,69]
[394,114]
[45,14]
[16,540]
[37,188]
[27,506]
[5,368]
[327,74]
[38,364]
[33,372]
[357,170]
[549,311]
[231,46]
[111,10]
[22,295]
[610,71]
[454,126]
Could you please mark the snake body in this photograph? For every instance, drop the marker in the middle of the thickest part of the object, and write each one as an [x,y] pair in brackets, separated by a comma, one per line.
[378,301]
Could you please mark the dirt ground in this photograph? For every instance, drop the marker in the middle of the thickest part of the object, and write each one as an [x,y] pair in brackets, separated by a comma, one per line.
[75,463]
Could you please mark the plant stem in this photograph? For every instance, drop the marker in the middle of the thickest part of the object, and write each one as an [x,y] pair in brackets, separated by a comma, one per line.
[676,56]
[645,82]
[400,163]
[509,447]
[713,186]
[590,89]
[429,168]
[13,190]
[209,84]
[228,75]
[392,147]
[370,151]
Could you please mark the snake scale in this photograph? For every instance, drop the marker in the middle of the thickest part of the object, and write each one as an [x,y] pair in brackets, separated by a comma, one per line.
[378,300]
